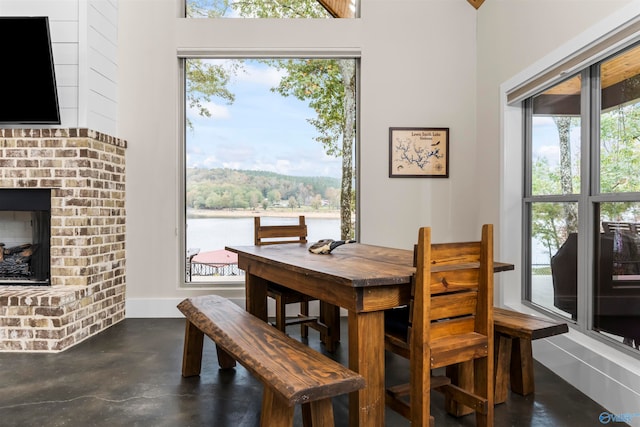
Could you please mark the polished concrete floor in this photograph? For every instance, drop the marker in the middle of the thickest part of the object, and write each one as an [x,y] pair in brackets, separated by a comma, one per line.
[129,375]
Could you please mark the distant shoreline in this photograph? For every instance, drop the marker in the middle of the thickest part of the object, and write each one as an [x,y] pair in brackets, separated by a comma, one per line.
[286,213]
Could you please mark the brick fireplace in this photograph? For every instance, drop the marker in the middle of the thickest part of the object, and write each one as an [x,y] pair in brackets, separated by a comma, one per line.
[85,171]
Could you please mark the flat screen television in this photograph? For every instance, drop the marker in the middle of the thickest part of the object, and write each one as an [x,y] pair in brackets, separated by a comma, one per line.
[28,93]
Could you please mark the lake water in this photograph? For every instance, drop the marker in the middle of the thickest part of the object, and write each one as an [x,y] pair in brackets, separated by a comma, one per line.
[209,234]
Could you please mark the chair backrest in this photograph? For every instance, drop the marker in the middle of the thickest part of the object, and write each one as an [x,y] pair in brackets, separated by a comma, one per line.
[613,227]
[452,294]
[278,234]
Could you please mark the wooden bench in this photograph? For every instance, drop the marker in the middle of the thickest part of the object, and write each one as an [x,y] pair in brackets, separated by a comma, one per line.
[513,351]
[290,371]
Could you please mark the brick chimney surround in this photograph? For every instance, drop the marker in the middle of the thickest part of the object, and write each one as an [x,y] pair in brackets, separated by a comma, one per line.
[85,171]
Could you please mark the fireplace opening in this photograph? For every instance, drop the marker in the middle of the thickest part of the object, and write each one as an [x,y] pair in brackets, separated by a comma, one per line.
[25,236]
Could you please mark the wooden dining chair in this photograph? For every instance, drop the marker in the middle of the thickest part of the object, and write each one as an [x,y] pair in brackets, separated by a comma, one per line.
[448,323]
[328,323]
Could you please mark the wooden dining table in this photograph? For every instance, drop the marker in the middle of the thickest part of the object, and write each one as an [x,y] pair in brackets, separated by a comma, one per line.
[364,279]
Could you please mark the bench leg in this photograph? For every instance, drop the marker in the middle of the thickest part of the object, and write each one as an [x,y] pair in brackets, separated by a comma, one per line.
[275,412]
[522,367]
[502,361]
[192,352]
[318,413]
[225,361]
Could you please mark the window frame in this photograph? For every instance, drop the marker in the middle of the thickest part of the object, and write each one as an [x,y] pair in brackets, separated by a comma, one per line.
[222,284]
[588,199]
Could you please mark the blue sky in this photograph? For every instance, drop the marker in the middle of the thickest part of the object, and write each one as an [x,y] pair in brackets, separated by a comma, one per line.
[261,130]
[546,142]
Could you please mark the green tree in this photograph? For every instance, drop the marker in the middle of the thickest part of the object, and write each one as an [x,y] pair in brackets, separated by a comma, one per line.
[205,81]
[255,197]
[333,196]
[564,124]
[328,85]
[293,203]
[316,202]
[274,196]
[619,163]
[620,149]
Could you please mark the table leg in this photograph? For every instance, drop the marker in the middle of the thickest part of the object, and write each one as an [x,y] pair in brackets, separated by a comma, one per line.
[256,296]
[329,313]
[366,356]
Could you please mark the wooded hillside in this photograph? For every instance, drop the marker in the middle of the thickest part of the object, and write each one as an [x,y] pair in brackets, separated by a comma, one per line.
[239,189]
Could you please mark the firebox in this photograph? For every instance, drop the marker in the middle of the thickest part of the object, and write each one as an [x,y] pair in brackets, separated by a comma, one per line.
[25,235]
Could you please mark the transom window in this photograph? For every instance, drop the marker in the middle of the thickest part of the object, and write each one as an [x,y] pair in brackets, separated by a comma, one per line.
[271,8]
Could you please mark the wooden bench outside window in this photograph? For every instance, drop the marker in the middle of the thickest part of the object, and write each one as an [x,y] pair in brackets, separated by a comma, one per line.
[291,372]
[513,351]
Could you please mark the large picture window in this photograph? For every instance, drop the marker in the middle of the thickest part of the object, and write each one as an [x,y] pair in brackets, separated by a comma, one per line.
[273,138]
[582,198]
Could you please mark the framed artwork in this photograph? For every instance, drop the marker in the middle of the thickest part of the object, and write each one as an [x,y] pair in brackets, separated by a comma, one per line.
[418,152]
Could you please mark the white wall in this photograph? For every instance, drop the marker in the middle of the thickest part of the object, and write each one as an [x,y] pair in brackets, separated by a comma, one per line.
[418,69]
[84,40]
[516,40]
[99,53]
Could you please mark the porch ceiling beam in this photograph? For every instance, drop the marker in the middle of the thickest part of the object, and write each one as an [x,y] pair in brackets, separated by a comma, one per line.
[476,3]
[338,8]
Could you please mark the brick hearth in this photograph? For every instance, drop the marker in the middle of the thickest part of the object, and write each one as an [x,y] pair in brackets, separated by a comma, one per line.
[85,171]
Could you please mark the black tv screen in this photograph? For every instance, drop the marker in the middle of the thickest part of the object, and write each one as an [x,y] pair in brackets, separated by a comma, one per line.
[28,93]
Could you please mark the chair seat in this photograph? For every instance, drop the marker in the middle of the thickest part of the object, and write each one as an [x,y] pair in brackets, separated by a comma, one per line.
[458,348]
[444,351]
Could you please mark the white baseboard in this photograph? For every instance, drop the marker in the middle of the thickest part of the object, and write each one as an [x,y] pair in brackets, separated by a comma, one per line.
[166,307]
[606,375]
[158,307]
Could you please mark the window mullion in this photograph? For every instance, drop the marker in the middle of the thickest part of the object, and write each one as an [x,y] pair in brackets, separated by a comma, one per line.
[589,179]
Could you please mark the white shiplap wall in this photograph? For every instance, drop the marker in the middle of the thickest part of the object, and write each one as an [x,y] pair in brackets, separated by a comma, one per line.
[101,65]
[84,35]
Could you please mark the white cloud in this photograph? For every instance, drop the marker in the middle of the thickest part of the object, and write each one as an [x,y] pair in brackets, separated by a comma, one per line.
[232,165]
[550,152]
[196,161]
[267,76]
[281,166]
[218,111]
[543,121]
